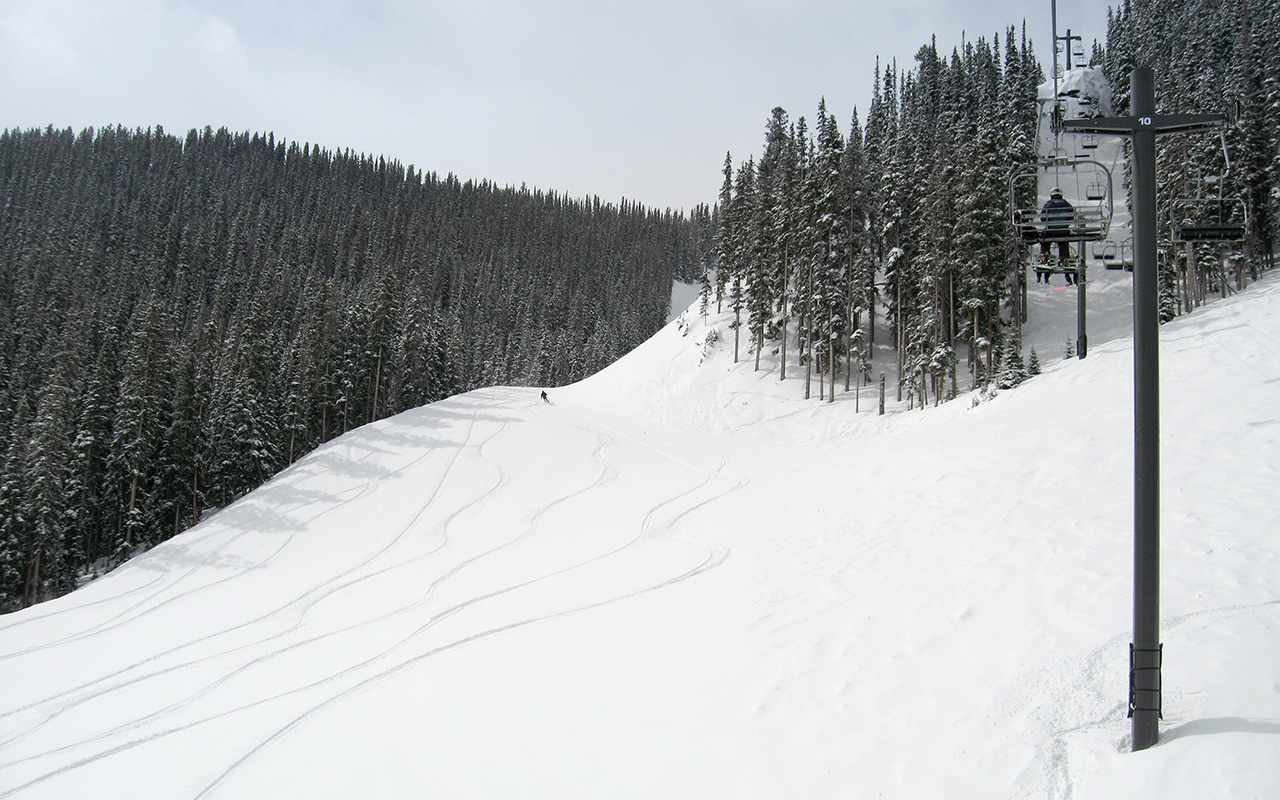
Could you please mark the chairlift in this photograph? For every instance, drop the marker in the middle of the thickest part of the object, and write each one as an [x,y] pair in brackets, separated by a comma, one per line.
[1088,141]
[1086,185]
[1210,219]
[1112,256]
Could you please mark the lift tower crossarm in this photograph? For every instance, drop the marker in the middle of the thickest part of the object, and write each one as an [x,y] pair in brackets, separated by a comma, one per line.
[1158,123]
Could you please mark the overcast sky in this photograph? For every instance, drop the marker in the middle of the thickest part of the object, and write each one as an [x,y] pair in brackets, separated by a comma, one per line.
[588,97]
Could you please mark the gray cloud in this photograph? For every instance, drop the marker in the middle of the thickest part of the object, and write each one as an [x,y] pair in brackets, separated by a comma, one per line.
[615,99]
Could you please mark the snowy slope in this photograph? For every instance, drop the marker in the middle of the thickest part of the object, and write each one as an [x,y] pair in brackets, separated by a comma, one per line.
[681,580]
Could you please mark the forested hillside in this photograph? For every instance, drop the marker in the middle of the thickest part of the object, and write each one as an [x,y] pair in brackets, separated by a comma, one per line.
[906,210]
[179,319]
[907,214]
[1208,56]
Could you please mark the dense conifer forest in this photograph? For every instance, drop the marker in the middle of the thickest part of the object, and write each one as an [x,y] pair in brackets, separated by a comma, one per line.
[181,318]
[906,210]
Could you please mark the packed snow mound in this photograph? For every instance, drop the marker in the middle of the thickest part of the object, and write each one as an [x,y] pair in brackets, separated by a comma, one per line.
[681,579]
[1086,90]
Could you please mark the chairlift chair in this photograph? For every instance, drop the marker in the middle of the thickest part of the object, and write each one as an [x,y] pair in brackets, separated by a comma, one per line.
[1211,220]
[1111,256]
[1086,185]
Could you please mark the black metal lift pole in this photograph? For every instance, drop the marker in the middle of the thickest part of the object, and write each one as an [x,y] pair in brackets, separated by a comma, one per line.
[1145,653]
[1082,333]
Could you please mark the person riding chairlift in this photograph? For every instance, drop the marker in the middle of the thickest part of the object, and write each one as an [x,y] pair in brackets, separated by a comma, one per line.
[1057,213]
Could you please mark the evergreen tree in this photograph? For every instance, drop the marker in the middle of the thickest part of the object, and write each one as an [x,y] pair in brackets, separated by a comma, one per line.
[724,235]
[17,536]
[141,419]
[768,274]
[830,246]
[1013,370]
[747,273]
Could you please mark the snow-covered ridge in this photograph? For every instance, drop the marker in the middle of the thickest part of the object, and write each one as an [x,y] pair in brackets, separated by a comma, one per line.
[1087,92]
[681,579]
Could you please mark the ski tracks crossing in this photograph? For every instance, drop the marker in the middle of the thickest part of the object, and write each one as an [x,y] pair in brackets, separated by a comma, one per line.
[465,590]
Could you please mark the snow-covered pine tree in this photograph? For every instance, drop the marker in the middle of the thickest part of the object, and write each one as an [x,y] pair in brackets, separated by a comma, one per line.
[859,268]
[177,504]
[48,472]
[16,533]
[141,420]
[744,258]
[1013,370]
[724,234]
[776,230]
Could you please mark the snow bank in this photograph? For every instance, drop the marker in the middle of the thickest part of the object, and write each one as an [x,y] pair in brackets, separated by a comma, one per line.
[1086,90]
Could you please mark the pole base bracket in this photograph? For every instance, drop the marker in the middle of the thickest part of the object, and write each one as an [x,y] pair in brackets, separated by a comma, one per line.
[1144,680]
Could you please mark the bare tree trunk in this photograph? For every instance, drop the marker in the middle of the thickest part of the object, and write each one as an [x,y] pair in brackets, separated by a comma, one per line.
[848,319]
[782,370]
[377,384]
[857,392]
[831,349]
[737,326]
[133,498]
[898,325]
[31,592]
[871,311]
[808,336]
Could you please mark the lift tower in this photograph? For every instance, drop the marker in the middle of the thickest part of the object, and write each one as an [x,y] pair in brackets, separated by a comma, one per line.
[1142,127]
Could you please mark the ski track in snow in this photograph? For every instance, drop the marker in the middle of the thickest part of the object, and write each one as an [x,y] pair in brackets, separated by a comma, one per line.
[148,602]
[297,609]
[714,556]
[303,602]
[661,519]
